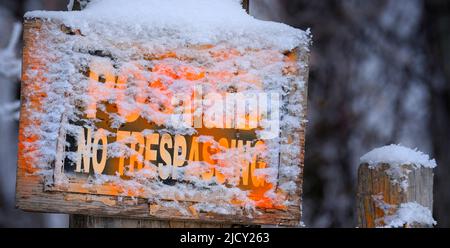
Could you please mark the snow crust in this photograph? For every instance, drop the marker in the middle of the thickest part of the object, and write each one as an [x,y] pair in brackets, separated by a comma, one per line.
[190,21]
[396,155]
[409,214]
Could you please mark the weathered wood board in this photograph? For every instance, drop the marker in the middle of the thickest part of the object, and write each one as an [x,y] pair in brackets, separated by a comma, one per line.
[379,197]
[63,187]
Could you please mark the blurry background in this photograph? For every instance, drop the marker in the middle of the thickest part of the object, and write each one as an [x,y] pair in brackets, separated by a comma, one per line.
[380,74]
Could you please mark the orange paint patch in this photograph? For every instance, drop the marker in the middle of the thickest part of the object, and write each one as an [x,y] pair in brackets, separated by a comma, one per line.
[258,195]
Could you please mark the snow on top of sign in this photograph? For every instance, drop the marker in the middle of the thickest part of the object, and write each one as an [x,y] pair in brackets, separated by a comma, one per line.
[185,21]
[9,63]
[395,155]
[409,214]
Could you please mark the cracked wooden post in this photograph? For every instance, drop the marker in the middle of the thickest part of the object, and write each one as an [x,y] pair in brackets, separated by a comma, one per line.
[394,195]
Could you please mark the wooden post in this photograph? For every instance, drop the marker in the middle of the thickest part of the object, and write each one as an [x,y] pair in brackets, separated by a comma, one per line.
[246,5]
[85,221]
[384,191]
[78,6]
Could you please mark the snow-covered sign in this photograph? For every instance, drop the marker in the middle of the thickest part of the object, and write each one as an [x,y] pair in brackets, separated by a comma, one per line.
[180,109]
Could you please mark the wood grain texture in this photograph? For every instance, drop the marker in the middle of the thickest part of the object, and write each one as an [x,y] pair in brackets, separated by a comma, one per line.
[377,189]
[83,221]
[33,194]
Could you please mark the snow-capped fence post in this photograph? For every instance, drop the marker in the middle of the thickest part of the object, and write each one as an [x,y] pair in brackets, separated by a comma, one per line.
[395,189]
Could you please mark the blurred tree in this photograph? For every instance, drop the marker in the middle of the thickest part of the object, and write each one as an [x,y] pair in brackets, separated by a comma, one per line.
[9,81]
[437,29]
[11,12]
[376,78]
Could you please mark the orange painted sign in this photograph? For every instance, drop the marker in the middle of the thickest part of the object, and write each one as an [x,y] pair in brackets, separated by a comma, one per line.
[209,133]
[166,153]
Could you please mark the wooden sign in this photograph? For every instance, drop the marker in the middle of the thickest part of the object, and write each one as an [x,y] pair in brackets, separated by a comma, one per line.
[163,134]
